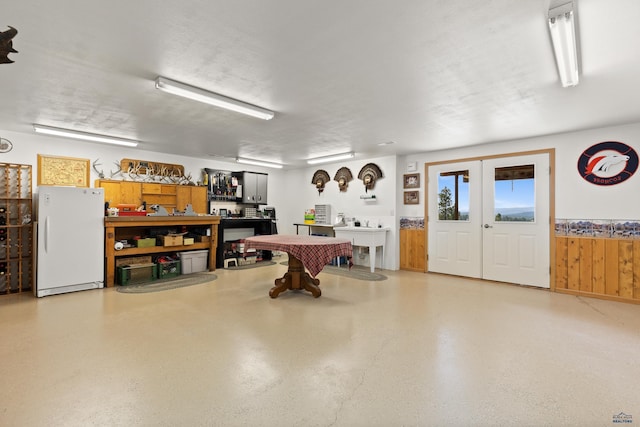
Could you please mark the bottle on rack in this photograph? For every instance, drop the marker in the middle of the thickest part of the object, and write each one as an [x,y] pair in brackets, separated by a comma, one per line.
[3,268]
[3,215]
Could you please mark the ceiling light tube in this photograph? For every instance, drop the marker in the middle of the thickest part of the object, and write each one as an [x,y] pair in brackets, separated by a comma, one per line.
[563,36]
[258,163]
[84,136]
[201,95]
[332,158]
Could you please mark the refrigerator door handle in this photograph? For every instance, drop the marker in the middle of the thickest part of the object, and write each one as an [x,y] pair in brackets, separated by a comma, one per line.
[46,234]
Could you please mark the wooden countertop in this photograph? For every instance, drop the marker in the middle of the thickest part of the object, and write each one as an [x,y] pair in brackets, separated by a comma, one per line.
[141,220]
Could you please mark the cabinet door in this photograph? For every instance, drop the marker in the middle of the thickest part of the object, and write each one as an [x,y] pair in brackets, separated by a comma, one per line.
[111,192]
[121,192]
[195,196]
[261,190]
[199,199]
[250,187]
[183,197]
[131,192]
[254,188]
[412,256]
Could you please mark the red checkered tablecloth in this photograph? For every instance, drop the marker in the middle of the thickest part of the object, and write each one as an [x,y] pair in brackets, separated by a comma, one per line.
[313,251]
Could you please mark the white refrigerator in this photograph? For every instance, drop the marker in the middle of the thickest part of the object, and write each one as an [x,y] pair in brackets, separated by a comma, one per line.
[70,240]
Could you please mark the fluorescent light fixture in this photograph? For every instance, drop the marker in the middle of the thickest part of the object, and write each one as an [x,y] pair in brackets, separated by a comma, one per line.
[84,136]
[258,163]
[197,94]
[332,158]
[562,26]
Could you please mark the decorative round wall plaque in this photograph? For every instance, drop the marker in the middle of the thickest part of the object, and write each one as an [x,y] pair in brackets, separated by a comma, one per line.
[608,163]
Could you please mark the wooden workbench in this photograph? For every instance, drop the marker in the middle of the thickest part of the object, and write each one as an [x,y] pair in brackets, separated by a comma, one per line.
[125,227]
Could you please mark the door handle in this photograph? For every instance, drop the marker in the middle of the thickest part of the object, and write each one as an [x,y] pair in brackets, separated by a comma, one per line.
[46,234]
[488,226]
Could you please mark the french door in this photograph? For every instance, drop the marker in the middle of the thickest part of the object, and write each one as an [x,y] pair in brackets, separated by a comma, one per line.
[455,219]
[490,219]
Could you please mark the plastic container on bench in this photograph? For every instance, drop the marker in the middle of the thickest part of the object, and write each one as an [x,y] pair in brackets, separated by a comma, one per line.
[194,261]
[136,273]
[168,269]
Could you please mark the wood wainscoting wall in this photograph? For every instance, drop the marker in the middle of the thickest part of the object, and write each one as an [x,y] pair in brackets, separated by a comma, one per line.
[598,267]
[412,255]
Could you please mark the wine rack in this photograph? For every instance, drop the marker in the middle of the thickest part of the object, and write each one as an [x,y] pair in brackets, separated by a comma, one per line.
[16,228]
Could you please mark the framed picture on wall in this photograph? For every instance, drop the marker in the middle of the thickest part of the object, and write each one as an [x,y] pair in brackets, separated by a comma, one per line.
[411,180]
[56,170]
[411,197]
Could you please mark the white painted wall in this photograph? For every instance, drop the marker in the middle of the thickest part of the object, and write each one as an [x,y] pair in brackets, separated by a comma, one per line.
[26,148]
[291,191]
[300,194]
[575,197]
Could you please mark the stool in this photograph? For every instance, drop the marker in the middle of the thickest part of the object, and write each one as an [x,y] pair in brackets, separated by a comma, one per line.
[229,260]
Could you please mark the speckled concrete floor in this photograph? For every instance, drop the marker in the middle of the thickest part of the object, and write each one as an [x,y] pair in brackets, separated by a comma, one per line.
[417,349]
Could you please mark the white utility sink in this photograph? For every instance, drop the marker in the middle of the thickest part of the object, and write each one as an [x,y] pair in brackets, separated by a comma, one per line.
[365,236]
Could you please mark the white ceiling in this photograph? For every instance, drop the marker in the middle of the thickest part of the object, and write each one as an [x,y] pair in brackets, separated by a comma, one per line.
[340,75]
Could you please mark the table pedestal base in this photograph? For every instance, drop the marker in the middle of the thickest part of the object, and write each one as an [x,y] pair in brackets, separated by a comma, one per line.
[296,278]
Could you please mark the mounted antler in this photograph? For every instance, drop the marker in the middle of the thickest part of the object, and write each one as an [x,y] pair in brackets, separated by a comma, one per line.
[133,171]
[95,168]
[188,180]
[118,172]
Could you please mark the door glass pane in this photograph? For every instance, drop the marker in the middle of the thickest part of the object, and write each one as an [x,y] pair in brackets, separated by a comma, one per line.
[453,196]
[514,196]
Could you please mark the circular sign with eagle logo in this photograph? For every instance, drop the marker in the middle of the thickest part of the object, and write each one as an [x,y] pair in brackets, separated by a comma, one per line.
[608,163]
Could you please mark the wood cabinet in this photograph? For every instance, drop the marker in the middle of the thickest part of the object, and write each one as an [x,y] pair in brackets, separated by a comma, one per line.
[195,196]
[171,196]
[16,229]
[124,228]
[120,192]
[412,253]
[160,194]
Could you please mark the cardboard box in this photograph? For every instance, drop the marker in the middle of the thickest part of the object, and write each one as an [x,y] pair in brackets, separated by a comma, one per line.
[170,240]
[203,239]
[145,243]
[188,241]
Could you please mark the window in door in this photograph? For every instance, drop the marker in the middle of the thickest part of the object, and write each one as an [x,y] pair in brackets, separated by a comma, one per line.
[453,196]
[514,194]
